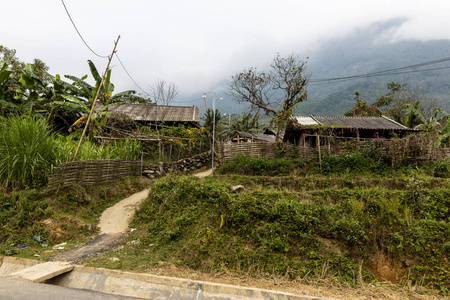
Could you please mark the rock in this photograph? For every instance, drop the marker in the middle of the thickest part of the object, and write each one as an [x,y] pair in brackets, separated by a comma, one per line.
[236,188]
[59,246]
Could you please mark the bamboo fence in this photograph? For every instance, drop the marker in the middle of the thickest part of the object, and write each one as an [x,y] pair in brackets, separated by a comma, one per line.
[92,172]
[227,151]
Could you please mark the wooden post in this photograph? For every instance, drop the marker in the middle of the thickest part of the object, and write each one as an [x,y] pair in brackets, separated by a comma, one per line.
[318,147]
[159,150]
[95,100]
[142,162]
[190,148]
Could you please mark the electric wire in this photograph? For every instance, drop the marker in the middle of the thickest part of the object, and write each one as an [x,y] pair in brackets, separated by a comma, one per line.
[73,23]
[395,71]
[189,101]
[126,71]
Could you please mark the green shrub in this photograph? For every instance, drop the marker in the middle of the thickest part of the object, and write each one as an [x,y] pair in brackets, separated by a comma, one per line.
[442,169]
[364,160]
[259,166]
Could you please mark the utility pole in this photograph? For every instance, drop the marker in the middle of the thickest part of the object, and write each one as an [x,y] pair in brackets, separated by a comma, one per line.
[95,99]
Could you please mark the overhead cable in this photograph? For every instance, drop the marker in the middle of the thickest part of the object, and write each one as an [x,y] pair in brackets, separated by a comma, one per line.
[130,75]
[395,71]
[73,23]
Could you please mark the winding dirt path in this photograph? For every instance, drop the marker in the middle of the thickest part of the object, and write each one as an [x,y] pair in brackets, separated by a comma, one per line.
[113,224]
[117,218]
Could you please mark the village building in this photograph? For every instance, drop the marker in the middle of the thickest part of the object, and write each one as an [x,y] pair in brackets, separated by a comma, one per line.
[152,115]
[306,131]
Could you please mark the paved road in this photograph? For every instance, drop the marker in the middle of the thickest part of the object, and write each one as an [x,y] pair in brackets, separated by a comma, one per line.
[19,289]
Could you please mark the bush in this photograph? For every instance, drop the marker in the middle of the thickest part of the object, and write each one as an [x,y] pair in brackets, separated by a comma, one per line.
[364,160]
[442,169]
[260,166]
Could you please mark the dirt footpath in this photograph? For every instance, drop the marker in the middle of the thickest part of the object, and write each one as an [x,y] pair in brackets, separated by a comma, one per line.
[113,225]
[117,218]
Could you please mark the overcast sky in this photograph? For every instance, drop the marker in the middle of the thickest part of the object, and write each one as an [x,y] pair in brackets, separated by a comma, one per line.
[197,44]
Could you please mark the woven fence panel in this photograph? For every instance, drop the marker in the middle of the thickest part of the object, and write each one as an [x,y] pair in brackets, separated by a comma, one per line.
[228,151]
[91,172]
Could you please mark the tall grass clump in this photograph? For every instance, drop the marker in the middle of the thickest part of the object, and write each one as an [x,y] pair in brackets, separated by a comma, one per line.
[89,150]
[27,151]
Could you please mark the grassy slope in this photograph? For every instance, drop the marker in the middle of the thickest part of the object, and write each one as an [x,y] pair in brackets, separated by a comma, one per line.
[68,215]
[354,228]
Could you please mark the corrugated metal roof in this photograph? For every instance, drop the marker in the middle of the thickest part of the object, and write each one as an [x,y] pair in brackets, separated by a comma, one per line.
[352,122]
[257,136]
[152,113]
[306,121]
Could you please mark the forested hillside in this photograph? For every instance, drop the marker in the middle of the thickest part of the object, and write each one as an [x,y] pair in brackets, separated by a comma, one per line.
[373,50]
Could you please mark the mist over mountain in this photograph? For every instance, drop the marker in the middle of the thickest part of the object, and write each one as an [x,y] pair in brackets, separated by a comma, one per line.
[368,50]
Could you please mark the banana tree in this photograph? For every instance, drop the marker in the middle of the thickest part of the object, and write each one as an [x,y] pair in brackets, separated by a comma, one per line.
[25,92]
[79,95]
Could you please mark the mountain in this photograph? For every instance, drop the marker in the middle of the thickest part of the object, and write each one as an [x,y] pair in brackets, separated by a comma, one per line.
[372,50]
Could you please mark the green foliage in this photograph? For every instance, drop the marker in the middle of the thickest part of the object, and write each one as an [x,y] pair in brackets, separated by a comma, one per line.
[362,109]
[258,166]
[367,159]
[442,169]
[208,119]
[70,209]
[27,151]
[124,150]
[278,225]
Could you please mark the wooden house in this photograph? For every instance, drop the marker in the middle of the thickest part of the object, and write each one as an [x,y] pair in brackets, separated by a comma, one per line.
[151,115]
[305,131]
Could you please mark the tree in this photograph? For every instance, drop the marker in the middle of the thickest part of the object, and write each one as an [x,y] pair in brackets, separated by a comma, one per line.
[277,92]
[24,88]
[79,95]
[163,92]
[361,108]
[394,104]
[208,119]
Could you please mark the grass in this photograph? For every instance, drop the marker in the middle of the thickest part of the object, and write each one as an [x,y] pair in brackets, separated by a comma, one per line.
[26,151]
[284,226]
[29,151]
[69,215]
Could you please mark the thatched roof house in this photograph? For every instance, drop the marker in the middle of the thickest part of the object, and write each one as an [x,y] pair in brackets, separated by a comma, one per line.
[156,114]
[304,130]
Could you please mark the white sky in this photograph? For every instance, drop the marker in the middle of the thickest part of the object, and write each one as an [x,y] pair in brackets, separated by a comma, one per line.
[197,44]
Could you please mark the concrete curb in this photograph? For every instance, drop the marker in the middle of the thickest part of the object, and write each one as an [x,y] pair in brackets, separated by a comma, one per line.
[147,286]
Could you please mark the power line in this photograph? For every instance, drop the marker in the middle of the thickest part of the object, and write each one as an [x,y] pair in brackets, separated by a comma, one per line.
[189,101]
[395,71]
[130,75]
[73,23]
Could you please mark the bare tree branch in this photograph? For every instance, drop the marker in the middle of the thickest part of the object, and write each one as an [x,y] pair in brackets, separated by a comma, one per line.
[277,92]
[163,92]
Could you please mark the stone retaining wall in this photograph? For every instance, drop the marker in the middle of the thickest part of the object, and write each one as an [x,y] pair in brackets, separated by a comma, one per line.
[183,166]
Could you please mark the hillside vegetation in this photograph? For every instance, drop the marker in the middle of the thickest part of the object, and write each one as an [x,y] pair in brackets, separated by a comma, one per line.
[356,226]
[371,50]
